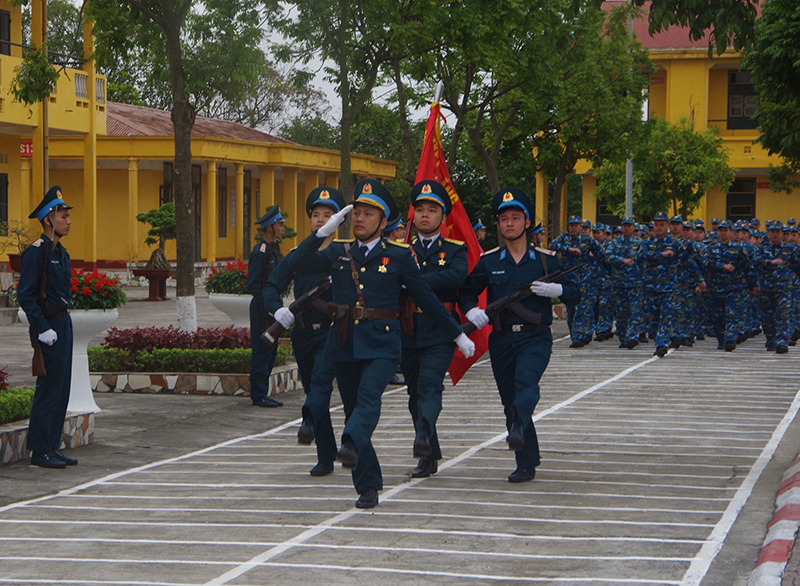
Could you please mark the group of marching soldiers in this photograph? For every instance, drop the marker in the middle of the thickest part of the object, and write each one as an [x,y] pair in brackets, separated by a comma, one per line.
[673,282]
[367,303]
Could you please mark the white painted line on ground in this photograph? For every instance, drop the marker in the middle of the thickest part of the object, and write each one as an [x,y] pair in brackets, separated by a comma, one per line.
[699,567]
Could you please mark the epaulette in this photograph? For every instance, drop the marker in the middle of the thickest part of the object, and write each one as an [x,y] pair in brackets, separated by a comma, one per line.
[453,241]
[345,240]
[491,251]
[293,249]
[546,251]
[402,244]
[37,243]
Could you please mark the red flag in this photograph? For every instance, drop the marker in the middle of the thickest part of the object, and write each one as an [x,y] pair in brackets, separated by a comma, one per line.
[432,165]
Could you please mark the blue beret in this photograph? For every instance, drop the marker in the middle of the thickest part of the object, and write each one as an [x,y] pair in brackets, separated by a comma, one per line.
[478,224]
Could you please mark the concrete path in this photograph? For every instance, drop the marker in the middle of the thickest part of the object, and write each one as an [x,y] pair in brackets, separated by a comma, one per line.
[656,471]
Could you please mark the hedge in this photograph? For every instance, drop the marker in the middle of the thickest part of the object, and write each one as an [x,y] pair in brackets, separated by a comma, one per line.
[237,361]
[15,404]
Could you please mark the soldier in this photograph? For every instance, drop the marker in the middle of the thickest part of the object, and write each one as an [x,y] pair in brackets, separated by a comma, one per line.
[46,306]
[367,275]
[310,335]
[537,234]
[520,348]
[622,254]
[265,256]
[395,230]
[729,274]
[427,349]
[752,318]
[586,227]
[575,247]
[480,230]
[776,264]
[600,274]
[691,286]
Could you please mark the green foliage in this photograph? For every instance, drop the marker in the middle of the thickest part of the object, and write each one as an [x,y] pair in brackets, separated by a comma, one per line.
[673,168]
[233,361]
[162,224]
[15,404]
[35,79]
[774,59]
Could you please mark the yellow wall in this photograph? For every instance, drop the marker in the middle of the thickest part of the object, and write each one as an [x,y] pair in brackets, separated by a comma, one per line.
[658,94]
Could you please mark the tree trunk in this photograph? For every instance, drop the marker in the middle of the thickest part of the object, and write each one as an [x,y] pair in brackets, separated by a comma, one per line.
[486,157]
[408,143]
[183,116]
[555,219]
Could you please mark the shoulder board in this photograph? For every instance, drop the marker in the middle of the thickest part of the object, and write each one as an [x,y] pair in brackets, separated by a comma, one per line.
[545,251]
[263,247]
[491,251]
[293,249]
[401,244]
[414,240]
[453,241]
[344,240]
[37,243]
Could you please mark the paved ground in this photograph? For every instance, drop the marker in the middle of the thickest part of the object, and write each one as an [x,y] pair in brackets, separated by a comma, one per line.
[655,472]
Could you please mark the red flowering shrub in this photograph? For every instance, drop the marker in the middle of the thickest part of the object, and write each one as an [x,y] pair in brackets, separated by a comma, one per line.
[3,379]
[231,279]
[95,290]
[135,339]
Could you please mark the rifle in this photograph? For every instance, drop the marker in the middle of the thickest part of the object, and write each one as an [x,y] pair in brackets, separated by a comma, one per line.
[307,299]
[512,300]
[37,364]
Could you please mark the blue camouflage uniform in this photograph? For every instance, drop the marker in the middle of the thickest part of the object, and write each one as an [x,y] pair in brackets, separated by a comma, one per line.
[776,290]
[728,290]
[264,257]
[661,278]
[627,283]
[371,350]
[519,350]
[580,318]
[51,396]
[690,276]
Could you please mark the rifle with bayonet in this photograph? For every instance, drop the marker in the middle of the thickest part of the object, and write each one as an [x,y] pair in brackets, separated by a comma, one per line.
[511,301]
[306,300]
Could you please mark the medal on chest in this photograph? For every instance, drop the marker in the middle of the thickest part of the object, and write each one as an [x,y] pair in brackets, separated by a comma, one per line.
[384,261]
[441,258]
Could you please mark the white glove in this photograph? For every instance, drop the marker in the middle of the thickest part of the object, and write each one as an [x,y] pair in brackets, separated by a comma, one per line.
[284,316]
[334,221]
[465,345]
[49,337]
[547,289]
[478,317]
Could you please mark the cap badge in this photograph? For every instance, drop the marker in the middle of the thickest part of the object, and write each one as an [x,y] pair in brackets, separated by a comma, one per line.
[426,188]
[507,196]
[367,188]
[324,194]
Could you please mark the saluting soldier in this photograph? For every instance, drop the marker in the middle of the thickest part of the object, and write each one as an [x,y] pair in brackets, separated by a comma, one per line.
[265,256]
[46,306]
[310,334]
[427,349]
[367,274]
[520,347]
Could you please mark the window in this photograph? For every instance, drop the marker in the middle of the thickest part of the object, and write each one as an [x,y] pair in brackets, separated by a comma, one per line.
[223,202]
[741,100]
[741,200]
[166,193]
[5,32]
[604,214]
[3,201]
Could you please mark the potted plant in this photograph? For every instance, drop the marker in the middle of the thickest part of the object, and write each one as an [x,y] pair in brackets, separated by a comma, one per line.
[158,270]
[95,302]
[227,292]
[18,236]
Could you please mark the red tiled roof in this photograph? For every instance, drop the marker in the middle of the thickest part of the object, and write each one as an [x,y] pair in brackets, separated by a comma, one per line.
[127,120]
[675,37]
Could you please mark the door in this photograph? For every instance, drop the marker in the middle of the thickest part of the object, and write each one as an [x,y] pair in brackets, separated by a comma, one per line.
[741,200]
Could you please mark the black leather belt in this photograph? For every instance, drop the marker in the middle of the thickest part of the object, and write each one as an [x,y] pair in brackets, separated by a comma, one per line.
[513,328]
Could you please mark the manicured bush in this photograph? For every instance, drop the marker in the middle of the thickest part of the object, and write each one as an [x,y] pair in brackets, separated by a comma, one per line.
[219,361]
[4,376]
[15,404]
[134,339]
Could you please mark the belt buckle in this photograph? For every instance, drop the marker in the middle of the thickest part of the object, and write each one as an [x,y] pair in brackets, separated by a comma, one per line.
[358,312]
[516,327]
[316,326]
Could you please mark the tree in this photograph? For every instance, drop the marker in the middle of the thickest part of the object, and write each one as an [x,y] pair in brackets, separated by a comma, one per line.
[162,228]
[673,168]
[208,48]
[774,60]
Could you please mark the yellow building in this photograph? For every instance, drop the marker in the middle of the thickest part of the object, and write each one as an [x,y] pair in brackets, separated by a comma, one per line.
[710,91]
[114,161]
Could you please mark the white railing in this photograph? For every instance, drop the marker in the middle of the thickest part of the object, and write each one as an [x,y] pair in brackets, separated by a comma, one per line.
[100,90]
[80,86]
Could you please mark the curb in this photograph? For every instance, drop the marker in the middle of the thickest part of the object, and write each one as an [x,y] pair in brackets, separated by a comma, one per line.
[781,533]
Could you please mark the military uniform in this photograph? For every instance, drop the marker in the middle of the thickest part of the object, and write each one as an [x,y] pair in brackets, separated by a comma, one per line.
[264,257]
[428,351]
[520,350]
[52,390]
[580,318]
[367,347]
[776,291]
[627,283]
[661,278]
